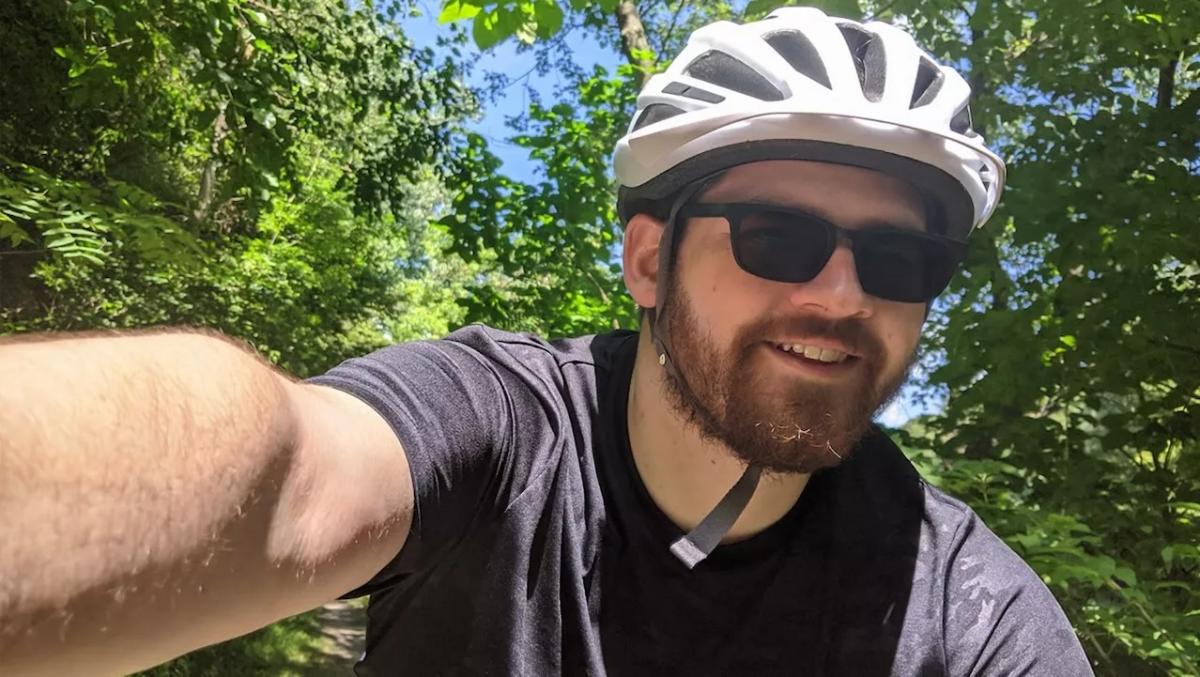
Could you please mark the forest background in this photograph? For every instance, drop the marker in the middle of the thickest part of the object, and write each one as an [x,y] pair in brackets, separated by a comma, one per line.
[298,174]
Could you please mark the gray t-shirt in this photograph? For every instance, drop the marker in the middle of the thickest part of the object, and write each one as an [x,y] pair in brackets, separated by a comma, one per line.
[536,550]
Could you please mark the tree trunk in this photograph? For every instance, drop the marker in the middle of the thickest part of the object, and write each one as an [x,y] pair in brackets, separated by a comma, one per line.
[634,44]
[1166,85]
[208,177]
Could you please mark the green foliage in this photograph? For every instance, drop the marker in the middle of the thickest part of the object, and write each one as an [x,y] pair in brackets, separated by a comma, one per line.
[232,86]
[553,244]
[492,23]
[290,647]
[265,169]
[1069,350]
[847,8]
[74,219]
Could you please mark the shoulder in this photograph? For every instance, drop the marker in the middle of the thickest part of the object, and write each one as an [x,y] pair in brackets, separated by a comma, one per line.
[553,361]
[998,617]
[592,349]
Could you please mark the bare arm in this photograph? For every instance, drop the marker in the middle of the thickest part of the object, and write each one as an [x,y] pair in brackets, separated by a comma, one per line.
[161,492]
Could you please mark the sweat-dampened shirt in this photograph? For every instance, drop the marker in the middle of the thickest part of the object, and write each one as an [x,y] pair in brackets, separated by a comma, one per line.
[536,550]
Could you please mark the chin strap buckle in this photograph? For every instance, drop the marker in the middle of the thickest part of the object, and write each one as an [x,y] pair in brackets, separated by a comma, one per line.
[698,544]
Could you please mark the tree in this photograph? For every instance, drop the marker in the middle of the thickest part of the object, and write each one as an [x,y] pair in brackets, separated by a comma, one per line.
[252,167]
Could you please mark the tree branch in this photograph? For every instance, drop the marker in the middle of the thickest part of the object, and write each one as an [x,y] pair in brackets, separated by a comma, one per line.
[1099,648]
[616,324]
[1166,85]
[1175,346]
[665,43]
[1150,619]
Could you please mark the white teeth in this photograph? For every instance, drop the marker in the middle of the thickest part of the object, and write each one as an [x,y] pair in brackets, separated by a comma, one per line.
[813,352]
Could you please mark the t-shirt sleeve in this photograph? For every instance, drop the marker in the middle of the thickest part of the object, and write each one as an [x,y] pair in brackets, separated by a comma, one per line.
[1000,618]
[461,408]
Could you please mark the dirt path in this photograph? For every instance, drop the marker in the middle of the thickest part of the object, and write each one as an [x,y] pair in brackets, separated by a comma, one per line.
[343,631]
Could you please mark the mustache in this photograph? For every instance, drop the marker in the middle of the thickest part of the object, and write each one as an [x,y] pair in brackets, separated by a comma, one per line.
[850,332]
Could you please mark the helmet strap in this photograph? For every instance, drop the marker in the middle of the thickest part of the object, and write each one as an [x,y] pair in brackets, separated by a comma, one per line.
[699,543]
[695,546]
[667,246]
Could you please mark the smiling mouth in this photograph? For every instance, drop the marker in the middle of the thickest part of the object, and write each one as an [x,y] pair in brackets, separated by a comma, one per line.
[813,354]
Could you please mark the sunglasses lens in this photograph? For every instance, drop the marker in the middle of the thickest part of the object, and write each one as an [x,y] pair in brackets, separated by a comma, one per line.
[905,267]
[781,246]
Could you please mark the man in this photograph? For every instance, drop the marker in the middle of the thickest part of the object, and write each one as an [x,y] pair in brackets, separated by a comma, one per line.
[706,496]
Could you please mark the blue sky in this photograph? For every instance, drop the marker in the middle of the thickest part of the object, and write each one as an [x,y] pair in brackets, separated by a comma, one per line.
[507,58]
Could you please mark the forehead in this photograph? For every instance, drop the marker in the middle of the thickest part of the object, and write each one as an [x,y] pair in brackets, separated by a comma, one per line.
[849,196]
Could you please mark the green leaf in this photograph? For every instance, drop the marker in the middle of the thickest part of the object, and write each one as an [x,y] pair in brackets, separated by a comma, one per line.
[77,217]
[492,27]
[759,8]
[849,9]
[91,256]
[14,233]
[526,34]
[457,10]
[549,18]
[1126,576]
[608,5]
[256,17]
[1186,507]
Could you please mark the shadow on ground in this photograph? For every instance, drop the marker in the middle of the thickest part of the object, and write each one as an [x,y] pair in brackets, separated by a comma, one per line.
[343,630]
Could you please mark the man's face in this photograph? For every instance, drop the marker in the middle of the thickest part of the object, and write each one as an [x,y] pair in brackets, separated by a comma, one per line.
[739,341]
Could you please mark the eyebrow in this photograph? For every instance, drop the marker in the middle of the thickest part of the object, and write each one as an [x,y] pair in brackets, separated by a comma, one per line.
[753,196]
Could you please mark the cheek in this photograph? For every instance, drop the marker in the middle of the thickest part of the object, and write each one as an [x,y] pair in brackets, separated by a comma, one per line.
[901,327]
[723,296]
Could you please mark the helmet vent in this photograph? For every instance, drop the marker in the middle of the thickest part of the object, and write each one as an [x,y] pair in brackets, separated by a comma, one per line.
[985,176]
[725,71]
[961,122]
[680,89]
[928,83]
[656,112]
[870,60]
[798,50]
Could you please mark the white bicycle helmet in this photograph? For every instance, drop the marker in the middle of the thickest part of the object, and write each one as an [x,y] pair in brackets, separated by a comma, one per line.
[798,85]
[805,86]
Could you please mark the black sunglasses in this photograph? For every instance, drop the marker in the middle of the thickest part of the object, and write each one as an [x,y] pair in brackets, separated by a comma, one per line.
[790,245]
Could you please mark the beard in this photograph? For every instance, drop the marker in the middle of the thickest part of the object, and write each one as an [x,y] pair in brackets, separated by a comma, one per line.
[782,424]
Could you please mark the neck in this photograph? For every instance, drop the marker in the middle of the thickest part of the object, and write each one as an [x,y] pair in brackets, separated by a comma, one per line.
[685,474]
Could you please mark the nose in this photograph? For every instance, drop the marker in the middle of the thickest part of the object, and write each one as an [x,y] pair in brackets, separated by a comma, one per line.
[835,292]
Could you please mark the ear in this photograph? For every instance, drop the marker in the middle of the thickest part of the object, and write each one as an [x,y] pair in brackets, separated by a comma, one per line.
[640,258]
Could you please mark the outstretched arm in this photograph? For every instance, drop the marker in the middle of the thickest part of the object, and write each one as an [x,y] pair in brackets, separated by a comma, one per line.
[164,491]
